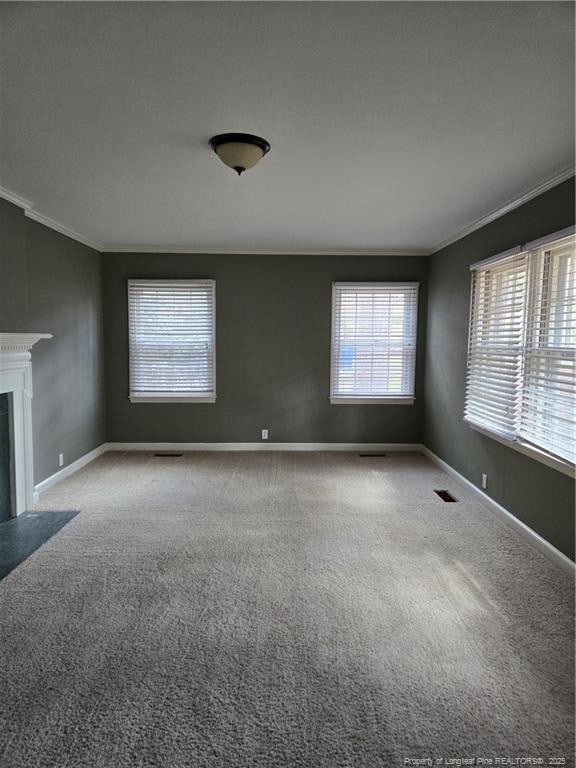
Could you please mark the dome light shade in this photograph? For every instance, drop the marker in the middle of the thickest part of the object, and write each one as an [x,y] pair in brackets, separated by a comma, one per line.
[239,150]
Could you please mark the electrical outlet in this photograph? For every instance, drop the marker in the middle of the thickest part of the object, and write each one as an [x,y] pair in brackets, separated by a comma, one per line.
[484,481]
[60,459]
[264,434]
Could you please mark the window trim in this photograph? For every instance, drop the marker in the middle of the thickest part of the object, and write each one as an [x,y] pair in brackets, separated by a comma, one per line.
[172,398]
[566,467]
[377,399]
[527,449]
[165,398]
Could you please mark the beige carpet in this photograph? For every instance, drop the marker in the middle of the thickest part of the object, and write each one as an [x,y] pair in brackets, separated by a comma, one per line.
[266,610]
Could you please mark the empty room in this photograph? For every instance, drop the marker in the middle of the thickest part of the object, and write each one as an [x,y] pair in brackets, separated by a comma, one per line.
[287,384]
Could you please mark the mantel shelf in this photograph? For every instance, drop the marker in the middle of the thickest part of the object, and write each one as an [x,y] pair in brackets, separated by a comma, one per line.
[20,342]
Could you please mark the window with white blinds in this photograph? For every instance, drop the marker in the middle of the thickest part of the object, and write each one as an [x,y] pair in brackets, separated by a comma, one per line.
[172,340]
[496,344]
[373,342]
[547,416]
[522,346]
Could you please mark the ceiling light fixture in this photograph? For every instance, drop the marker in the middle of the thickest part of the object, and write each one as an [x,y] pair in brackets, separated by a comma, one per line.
[239,150]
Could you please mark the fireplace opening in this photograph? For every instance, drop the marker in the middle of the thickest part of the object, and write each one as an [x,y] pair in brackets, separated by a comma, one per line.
[6,457]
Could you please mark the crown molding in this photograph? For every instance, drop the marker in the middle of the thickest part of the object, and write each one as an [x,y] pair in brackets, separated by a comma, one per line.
[55,225]
[29,212]
[266,252]
[516,202]
[6,194]
[510,205]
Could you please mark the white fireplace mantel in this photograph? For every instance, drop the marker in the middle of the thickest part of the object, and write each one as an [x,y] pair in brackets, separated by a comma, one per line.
[16,379]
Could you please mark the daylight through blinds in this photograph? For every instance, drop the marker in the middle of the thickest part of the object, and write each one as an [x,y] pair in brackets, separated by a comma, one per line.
[373,341]
[171,325]
[522,347]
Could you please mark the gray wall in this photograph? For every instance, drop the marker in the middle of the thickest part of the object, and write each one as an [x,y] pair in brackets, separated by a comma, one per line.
[272,352]
[541,497]
[52,284]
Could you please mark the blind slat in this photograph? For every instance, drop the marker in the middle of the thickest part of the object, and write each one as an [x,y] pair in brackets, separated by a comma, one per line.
[548,415]
[373,340]
[521,348]
[172,338]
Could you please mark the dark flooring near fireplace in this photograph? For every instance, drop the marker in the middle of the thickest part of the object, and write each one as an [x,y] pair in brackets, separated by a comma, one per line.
[23,535]
[5,458]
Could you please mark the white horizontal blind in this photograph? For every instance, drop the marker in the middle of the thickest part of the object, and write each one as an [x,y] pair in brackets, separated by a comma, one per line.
[548,418]
[522,347]
[373,340]
[496,345]
[172,339]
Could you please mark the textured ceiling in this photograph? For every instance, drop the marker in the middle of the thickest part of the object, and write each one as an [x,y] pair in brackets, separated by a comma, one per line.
[392,125]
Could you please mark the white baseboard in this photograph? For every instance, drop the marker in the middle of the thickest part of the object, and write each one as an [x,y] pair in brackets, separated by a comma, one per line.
[507,517]
[531,536]
[69,470]
[265,446]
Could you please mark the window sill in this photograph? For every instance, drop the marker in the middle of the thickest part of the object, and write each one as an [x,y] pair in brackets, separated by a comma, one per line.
[528,450]
[371,400]
[172,399]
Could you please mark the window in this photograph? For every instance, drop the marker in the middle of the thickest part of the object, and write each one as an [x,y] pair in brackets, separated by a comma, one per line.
[373,342]
[172,339]
[522,346]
